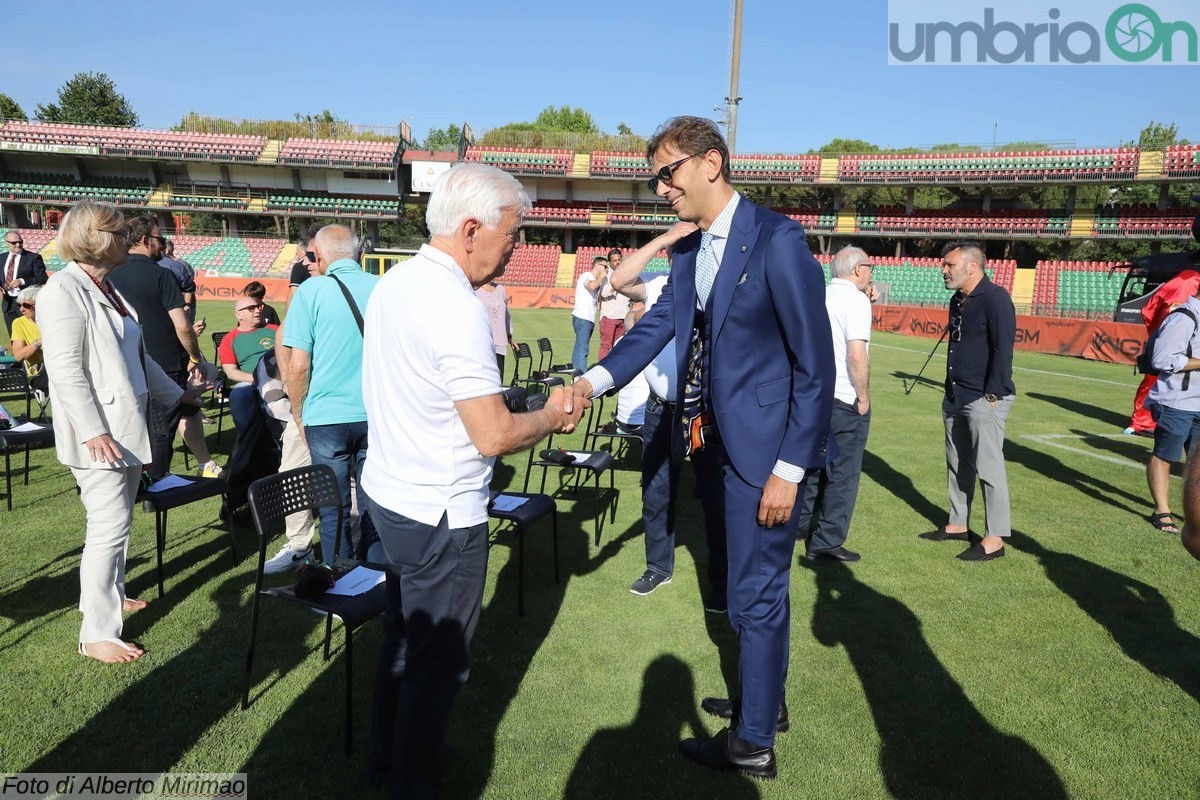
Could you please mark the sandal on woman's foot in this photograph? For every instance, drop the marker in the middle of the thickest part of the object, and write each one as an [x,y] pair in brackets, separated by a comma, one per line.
[130,604]
[118,653]
[1164,522]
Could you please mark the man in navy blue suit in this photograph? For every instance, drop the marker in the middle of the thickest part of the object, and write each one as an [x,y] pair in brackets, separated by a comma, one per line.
[754,404]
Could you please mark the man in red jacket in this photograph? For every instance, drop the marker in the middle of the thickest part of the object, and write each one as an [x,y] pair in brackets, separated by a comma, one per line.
[1172,293]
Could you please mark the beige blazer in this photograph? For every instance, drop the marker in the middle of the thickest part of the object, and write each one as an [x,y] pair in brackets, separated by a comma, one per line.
[89,379]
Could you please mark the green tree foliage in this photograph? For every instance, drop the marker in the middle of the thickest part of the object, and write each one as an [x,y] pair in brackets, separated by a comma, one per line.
[89,98]
[623,129]
[10,109]
[1157,136]
[566,118]
[443,139]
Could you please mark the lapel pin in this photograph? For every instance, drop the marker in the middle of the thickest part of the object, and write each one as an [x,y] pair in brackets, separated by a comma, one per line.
[744,248]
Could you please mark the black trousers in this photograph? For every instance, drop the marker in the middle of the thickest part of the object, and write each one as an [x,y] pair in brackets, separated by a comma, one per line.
[435,579]
[828,495]
[166,421]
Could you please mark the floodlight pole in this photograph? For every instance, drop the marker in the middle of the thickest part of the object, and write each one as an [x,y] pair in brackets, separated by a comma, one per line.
[731,102]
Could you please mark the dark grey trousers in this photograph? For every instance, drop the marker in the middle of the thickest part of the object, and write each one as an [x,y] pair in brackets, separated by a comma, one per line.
[828,495]
[435,579]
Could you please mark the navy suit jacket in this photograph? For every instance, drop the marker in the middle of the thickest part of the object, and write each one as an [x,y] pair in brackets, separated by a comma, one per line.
[771,374]
[30,268]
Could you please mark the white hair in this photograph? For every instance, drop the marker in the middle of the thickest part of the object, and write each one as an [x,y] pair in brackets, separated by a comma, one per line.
[28,294]
[337,242]
[473,191]
[846,260]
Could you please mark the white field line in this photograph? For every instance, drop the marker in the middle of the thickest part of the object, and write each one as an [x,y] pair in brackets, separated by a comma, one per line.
[1022,369]
[1050,440]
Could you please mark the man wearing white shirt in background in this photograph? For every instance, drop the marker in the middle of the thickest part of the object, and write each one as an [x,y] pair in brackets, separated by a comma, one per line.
[828,495]
[436,422]
[583,318]
[661,451]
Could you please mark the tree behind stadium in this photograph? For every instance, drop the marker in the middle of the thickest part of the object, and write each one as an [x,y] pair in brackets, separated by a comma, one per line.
[89,98]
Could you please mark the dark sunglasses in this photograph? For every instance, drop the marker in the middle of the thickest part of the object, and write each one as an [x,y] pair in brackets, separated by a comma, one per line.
[258,307]
[667,173]
[14,241]
[311,256]
[26,305]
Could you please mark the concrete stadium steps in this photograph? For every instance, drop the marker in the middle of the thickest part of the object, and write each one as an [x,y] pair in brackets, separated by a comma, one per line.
[1083,223]
[159,197]
[829,170]
[581,167]
[1151,165]
[283,262]
[566,270]
[270,152]
[599,219]
[256,204]
[846,220]
[1022,288]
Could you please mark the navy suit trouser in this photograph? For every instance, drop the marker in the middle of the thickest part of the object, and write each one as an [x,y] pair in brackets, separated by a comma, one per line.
[759,606]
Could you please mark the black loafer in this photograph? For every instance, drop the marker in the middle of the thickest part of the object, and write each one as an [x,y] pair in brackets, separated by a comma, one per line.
[726,751]
[723,708]
[940,535]
[832,554]
[976,553]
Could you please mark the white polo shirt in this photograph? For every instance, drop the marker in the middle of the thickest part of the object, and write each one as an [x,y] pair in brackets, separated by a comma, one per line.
[849,319]
[661,375]
[427,345]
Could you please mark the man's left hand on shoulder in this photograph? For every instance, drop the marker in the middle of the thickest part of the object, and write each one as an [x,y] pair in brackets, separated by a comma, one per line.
[778,499]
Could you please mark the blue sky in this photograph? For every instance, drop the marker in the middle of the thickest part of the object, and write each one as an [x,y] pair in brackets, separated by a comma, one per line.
[811,71]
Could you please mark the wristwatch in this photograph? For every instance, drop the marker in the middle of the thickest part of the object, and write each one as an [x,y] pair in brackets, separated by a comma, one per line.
[991,398]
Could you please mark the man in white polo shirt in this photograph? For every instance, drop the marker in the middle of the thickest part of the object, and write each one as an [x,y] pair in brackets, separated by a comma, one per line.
[662,451]
[829,494]
[436,422]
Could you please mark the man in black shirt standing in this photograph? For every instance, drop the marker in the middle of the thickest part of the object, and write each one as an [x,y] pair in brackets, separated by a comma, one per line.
[168,337]
[979,395]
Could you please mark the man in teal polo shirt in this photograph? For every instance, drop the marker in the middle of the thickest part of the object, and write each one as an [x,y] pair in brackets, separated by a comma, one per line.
[324,331]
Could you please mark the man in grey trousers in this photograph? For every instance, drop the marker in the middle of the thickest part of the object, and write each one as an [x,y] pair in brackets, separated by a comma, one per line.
[979,395]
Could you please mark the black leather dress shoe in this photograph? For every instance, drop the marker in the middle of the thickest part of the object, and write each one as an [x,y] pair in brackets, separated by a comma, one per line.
[832,554]
[942,535]
[723,708]
[727,751]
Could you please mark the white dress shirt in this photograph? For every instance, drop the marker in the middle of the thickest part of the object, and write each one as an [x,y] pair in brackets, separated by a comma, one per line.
[600,379]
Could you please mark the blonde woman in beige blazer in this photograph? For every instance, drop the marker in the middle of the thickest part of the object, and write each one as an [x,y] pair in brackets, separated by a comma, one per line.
[101,397]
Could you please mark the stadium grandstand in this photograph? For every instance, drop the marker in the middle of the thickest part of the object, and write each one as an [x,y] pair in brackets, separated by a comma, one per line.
[598,198]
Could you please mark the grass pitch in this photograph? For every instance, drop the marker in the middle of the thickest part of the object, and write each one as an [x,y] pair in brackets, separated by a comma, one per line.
[1069,668]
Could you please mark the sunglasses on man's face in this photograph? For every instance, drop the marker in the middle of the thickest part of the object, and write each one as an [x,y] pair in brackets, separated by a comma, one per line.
[13,241]
[667,173]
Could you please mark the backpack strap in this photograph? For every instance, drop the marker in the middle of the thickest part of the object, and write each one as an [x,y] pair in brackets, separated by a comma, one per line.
[358,316]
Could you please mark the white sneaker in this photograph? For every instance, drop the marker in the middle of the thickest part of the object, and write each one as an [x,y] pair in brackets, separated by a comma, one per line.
[286,559]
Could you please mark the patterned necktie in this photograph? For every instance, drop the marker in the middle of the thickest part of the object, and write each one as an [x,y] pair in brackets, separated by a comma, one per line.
[706,268]
[10,271]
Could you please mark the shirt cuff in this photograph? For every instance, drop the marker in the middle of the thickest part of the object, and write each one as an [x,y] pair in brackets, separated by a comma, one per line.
[789,472]
[600,379]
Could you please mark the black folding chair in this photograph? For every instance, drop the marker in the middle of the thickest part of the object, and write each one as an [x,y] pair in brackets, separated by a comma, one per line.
[524,355]
[597,428]
[273,498]
[13,381]
[595,462]
[523,517]
[162,502]
[546,359]
[218,398]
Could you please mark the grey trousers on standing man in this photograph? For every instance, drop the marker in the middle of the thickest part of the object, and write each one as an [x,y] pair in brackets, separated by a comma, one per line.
[975,449]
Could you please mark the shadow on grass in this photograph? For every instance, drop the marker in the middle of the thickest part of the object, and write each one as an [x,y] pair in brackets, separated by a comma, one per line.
[901,486]
[1105,416]
[1125,446]
[1135,614]
[506,644]
[179,698]
[632,761]
[1057,471]
[935,743]
[911,381]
